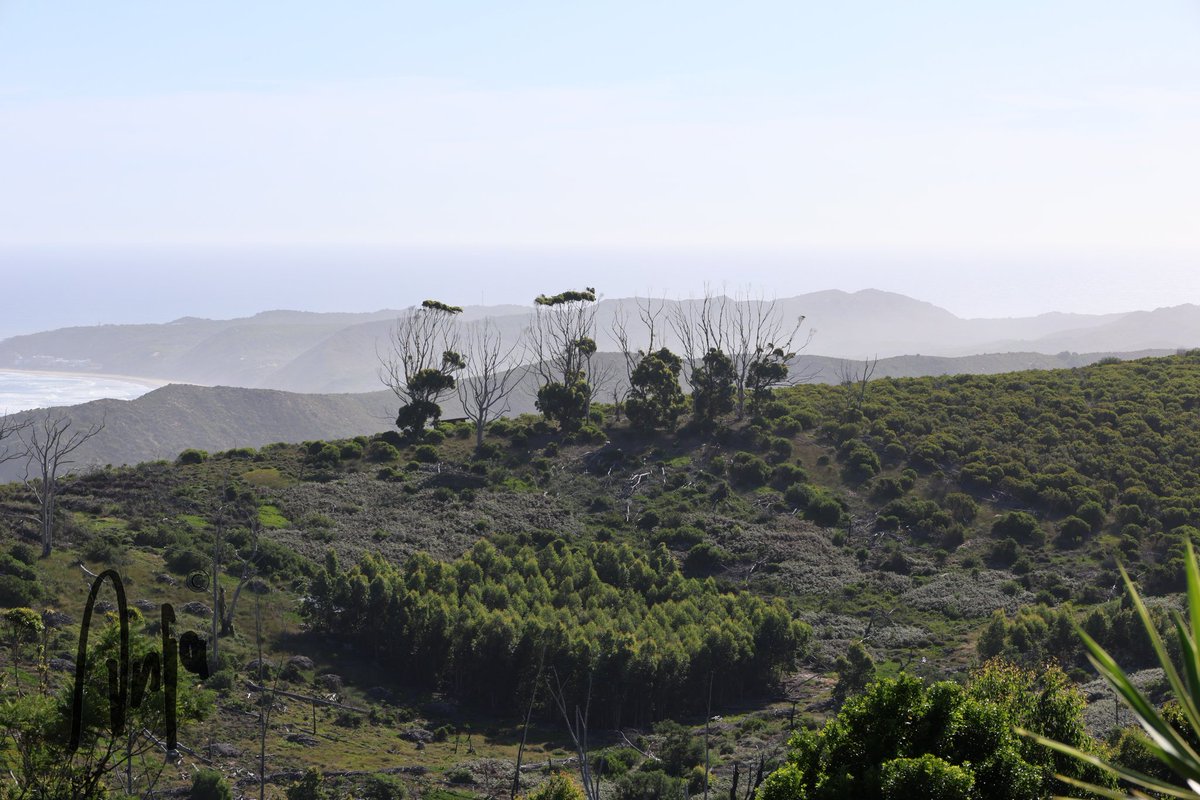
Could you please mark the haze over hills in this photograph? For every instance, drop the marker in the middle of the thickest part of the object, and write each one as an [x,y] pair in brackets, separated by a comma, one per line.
[337,352]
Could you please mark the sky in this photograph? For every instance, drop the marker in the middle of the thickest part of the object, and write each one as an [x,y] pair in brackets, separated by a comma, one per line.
[935,148]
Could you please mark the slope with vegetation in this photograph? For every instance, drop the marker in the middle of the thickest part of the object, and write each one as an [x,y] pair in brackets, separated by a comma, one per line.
[916,525]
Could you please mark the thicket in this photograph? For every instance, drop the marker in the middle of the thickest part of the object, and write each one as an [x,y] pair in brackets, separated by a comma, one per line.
[903,739]
[646,639]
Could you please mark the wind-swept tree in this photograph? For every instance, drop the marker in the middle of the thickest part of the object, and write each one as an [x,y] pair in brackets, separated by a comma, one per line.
[492,375]
[50,443]
[422,362]
[562,342]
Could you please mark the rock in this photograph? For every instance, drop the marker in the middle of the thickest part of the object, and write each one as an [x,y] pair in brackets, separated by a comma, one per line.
[300,662]
[330,683]
[62,665]
[223,750]
[163,577]
[104,606]
[197,608]
[303,739]
[418,735]
[145,605]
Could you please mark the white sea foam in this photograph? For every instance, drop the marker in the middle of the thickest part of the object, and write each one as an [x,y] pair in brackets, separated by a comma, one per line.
[20,391]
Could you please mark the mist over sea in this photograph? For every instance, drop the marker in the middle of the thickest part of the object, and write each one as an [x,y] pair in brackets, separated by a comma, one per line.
[20,391]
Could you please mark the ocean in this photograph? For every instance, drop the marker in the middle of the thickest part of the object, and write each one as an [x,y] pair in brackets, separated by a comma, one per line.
[20,391]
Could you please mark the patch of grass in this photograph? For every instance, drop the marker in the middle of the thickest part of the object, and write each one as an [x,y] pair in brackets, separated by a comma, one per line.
[267,478]
[271,517]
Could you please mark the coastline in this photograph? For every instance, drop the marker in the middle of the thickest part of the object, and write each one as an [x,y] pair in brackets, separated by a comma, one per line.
[150,383]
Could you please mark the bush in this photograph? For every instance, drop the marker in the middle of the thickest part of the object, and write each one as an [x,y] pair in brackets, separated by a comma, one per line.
[749,470]
[192,456]
[182,560]
[1020,526]
[648,786]
[23,553]
[210,785]
[426,454]
[558,786]
[382,787]
[351,449]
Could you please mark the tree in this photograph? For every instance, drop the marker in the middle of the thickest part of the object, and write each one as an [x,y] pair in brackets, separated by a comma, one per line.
[856,378]
[493,375]
[650,311]
[562,342]
[712,387]
[24,625]
[9,428]
[49,444]
[903,739]
[420,368]
[751,331]
[855,670]
[655,397]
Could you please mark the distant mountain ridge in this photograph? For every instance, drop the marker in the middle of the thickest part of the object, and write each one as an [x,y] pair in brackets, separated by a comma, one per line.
[337,352]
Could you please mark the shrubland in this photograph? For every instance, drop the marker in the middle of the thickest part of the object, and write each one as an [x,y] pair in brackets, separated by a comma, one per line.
[923,525]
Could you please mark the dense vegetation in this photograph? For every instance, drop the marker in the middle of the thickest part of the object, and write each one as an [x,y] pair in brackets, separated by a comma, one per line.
[902,739]
[645,639]
[935,522]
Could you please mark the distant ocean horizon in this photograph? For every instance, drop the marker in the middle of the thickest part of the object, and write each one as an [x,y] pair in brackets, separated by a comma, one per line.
[22,391]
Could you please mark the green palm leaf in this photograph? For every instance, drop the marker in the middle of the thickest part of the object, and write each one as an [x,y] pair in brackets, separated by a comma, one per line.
[1165,742]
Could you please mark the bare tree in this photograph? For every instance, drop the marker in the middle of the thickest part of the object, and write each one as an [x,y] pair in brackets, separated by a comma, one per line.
[49,444]
[855,377]
[493,375]
[420,365]
[576,719]
[9,428]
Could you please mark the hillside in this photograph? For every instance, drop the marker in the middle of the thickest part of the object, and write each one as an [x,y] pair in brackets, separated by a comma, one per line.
[334,353]
[166,421]
[935,520]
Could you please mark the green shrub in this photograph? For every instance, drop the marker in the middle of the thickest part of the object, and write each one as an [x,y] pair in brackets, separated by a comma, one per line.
[749,470]
[192,456]
[351,449]
[382,787]
[210,785]
[558,786]
[426,454]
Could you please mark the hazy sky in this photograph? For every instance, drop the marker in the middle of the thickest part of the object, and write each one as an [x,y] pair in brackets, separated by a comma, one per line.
[1054,134]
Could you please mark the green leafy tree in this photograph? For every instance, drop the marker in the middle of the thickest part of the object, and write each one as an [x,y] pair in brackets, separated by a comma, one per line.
[655,397]
[902,739]
[24,626]
[712,387]
[855,670]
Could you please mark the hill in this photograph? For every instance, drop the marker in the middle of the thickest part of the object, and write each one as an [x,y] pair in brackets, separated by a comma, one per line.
[936,521]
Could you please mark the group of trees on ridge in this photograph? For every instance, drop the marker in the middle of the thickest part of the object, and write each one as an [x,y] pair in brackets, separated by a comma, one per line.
[734,351]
